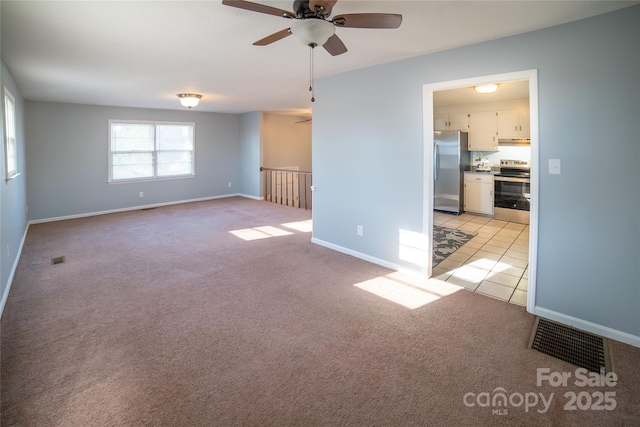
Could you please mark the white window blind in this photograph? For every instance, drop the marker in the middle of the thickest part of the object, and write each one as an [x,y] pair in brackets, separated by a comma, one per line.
[10,145]
[150,150]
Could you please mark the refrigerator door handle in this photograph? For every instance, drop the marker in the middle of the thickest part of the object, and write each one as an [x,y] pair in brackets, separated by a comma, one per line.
[435,162]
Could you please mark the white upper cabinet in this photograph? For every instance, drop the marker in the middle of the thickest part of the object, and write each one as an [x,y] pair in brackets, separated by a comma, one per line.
[451,121]
[507,124]
[524,124]
[440,122]
[513,124]
[483,131]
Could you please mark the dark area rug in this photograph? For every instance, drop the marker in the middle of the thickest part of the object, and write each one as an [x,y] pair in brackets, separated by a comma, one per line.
[446,241]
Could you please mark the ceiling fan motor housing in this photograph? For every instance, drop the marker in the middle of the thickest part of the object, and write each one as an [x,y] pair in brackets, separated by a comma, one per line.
[301,7]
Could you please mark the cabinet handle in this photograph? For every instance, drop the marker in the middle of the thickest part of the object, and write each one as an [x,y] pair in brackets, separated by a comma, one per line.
[516,128]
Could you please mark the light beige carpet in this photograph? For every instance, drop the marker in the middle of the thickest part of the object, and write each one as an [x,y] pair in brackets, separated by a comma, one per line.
[217,314]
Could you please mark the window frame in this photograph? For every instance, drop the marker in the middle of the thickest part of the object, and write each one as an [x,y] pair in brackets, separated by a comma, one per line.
[10,174]
[155,177]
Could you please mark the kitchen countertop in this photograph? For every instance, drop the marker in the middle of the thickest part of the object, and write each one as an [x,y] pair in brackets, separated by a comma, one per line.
[493,171]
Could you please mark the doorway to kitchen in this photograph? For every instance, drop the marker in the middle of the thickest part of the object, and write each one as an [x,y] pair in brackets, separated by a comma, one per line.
[498,235]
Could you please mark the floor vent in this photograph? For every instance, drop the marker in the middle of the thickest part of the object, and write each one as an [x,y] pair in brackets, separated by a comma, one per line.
[57,260]
[571,345]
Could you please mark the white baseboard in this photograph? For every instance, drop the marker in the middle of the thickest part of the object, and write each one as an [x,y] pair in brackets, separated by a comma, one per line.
[5,294]
[584,325]
[587,326]
[248,196]
[369,258]
[132,208]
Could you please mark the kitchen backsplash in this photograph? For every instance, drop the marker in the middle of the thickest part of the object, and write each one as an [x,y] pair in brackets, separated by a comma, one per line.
[508,152]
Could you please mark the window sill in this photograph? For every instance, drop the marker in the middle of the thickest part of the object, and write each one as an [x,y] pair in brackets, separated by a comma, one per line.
[130,181]
[11,178]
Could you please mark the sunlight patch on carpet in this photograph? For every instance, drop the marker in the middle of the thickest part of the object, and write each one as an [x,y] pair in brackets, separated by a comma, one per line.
[302,226]
[408,291]
[256,233]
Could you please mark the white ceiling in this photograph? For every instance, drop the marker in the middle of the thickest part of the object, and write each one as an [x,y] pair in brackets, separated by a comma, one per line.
[142,53]
[506,91]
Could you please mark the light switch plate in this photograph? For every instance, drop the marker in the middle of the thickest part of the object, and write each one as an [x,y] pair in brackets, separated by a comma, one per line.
[554,166]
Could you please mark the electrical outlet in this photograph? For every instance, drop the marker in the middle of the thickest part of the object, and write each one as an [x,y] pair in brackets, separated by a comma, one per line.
[360,230]
[229,184]
[142,194]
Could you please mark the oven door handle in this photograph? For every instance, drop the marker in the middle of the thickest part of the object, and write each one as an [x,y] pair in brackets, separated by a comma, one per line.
[510,179]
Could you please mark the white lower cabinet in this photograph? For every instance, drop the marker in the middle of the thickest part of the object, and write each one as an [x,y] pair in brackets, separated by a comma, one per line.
[478,193]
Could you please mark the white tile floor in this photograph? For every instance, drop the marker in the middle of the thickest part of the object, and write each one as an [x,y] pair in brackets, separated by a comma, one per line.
[494,262]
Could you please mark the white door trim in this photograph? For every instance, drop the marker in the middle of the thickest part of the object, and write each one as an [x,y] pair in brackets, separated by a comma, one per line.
[427,99]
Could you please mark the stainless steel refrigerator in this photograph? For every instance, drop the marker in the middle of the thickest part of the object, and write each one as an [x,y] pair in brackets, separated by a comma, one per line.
[450,159]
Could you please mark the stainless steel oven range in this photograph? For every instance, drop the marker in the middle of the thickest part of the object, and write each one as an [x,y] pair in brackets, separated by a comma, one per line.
[512,191]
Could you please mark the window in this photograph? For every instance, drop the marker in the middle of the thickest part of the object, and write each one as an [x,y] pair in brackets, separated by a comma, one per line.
[10,145]
[150,150]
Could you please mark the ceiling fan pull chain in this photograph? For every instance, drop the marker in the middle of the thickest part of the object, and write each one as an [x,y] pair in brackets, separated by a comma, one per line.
[311,73]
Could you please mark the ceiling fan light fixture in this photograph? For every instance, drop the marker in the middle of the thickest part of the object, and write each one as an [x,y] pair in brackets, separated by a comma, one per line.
[488,88]
[312,31]
[189,100]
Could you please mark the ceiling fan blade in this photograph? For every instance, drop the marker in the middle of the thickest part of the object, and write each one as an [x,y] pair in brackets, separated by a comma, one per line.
[273,37]
[325,6]
[255,7]
[368,20]
[335,46]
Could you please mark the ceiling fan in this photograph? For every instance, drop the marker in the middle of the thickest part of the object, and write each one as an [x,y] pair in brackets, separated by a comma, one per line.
[312,24]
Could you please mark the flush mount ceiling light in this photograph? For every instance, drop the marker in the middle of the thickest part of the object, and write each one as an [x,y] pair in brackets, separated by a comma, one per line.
[189,100]
[488,88]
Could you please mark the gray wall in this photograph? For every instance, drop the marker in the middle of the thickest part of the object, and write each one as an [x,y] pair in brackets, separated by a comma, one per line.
[67,153]
[251,153]
[367,133]
[286,143]
[13,216]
